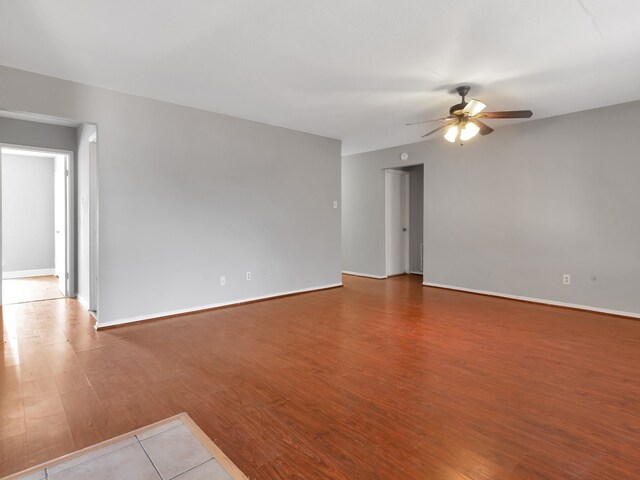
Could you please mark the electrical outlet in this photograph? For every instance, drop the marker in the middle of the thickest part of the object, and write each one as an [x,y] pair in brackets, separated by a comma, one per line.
[223,281]
[248,276]
[566,279]
[335,204]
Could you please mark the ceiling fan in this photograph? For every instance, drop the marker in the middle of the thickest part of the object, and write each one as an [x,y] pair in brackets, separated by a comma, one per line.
[464,123]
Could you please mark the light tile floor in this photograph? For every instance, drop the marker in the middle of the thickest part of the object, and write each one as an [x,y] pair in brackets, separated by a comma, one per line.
[165,452]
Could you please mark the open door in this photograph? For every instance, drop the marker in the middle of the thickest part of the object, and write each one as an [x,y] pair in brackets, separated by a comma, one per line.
[397,221]
[61,180]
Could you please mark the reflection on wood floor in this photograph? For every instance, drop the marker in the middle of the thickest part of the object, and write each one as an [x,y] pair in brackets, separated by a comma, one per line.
[30,289]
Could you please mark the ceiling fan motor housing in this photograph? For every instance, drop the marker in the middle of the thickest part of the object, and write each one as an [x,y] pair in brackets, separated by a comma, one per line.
[463,91]
[457,108]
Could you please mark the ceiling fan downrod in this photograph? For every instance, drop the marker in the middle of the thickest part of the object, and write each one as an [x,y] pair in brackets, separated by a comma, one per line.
[463,91]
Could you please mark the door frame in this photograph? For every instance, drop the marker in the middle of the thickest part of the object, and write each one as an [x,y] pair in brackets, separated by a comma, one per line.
[70,209]
[62,271]
[387,209]
[93,223]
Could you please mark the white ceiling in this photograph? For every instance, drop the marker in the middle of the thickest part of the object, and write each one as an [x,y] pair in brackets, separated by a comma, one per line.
[350,69]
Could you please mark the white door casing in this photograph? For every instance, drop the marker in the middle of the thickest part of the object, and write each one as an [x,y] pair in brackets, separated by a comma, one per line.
[93,224]
[60,220]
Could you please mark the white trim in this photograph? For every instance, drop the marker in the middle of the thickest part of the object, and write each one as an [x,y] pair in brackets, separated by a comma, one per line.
[43,272]
[181,311]
[536,300]
[66,210]
[16,146]
[416,273]
[83,302]
[358,274]
[28,153]
[93,222]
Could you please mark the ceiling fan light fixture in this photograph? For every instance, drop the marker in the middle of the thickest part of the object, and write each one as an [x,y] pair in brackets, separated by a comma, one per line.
[469,131]
[452,133]
[465,118]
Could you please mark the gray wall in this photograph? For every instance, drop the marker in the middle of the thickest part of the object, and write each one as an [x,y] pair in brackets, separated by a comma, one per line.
[35,134]
[27,213]
[187,196]
[512,212]
[416,215]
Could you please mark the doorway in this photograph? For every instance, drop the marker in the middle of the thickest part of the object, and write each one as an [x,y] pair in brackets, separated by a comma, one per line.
[397,222]
[416,218]
[35,224]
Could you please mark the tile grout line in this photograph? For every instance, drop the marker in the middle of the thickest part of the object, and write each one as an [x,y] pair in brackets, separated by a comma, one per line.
[147,454]
[195,466]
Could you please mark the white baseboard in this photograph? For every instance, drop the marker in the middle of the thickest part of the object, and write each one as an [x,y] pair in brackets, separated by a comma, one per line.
[29,273]
[416,273]
[82,302]
[536,300]
[140,318]
[358,274]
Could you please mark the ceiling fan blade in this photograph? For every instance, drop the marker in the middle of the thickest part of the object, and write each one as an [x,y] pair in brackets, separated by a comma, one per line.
[427,121]
[474,107]
[511,114]
[484,128]
[436,129]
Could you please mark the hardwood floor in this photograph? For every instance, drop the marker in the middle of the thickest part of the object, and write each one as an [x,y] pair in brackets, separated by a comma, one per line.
[30,289]
[376,380]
